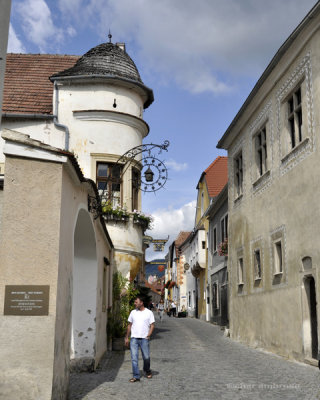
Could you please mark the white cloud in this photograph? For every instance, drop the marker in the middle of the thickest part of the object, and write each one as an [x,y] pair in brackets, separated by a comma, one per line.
[71,31]
[196,43]
[14,43]
[169,222]
[37,23]
[176,166]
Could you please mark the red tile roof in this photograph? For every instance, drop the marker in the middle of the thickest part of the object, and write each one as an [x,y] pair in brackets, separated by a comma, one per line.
[216,175]
[27,88]
[179,240]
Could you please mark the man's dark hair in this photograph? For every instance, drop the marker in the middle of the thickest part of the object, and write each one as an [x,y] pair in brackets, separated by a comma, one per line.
[141,298]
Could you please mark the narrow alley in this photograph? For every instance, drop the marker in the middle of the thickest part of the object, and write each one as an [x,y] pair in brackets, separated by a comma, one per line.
[192,359]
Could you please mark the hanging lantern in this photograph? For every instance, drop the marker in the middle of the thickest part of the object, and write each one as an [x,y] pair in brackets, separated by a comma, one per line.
[149,175]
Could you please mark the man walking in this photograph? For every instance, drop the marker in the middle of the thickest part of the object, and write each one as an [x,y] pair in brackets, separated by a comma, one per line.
[141,326]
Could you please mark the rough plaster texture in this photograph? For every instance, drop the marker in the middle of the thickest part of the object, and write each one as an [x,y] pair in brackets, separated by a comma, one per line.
[273,312]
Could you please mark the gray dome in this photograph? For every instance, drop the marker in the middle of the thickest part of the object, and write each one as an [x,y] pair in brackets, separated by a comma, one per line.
[110,61]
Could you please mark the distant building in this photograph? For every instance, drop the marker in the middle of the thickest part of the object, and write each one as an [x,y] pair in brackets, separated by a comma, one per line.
[273,195]
[217,215]
[194,247]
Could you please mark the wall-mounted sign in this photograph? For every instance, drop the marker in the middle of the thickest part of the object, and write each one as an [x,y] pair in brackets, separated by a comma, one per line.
[158,244]
[26,300]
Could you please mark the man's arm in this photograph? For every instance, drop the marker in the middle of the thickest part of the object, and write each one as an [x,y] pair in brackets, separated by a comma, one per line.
[151,329]
[126,339]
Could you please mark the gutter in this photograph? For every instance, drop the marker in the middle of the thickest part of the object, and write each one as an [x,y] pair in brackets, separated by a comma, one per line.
[56,120]
[27,116]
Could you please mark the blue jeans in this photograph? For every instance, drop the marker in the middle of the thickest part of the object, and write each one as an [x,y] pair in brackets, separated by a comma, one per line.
[135,343]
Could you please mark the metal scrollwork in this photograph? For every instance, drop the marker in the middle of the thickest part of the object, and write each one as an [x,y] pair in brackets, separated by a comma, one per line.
[150,164]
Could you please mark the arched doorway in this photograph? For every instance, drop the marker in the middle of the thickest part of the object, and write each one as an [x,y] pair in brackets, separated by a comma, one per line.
[84,289]
[310,322]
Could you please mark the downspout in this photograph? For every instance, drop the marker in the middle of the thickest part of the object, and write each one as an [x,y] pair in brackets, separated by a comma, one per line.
[56,120]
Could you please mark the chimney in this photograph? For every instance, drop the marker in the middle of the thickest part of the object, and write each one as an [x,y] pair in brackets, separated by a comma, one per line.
[121,46]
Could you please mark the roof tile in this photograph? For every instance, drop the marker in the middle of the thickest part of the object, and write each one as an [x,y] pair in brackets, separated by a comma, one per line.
[27,88]
[216,175]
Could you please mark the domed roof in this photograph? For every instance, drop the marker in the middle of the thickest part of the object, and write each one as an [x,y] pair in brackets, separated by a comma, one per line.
[110,61]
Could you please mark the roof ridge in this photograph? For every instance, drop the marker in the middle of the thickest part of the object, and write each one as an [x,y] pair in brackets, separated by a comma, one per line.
[45,54]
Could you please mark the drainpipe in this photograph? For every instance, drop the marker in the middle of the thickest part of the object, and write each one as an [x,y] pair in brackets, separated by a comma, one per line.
[56,120]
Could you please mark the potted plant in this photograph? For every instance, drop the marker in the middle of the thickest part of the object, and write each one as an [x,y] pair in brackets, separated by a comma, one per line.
[223,248]
[123,295]
[111,213]
[145,221]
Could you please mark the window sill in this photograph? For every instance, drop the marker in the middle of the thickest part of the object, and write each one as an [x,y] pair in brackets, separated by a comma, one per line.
[261,179]
[295,150]
[258,278]
[240,283]
[278,273]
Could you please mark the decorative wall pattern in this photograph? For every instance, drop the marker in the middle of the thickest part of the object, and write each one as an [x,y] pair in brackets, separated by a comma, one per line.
[301,73]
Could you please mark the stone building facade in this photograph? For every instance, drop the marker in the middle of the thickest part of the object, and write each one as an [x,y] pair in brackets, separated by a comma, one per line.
[273,153]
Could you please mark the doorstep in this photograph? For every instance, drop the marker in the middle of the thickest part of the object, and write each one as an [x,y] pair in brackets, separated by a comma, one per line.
[311,361]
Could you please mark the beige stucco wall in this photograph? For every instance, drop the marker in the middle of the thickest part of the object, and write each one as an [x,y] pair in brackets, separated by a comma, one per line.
[285,200]
[29,255]
[42,201]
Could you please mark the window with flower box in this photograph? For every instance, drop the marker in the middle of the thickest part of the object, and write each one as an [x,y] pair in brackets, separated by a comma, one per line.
[108,178]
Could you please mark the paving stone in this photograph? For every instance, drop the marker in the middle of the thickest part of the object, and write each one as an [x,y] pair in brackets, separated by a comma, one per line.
[192,359]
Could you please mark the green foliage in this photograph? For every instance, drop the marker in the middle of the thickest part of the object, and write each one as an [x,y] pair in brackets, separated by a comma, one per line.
[144,220]
[123,296]
[109,210]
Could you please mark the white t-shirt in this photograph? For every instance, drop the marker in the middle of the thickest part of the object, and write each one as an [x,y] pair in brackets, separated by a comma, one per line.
[141,321]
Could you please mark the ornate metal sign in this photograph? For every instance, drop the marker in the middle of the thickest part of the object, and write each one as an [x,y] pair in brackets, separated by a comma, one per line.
[153,176]
[158,244]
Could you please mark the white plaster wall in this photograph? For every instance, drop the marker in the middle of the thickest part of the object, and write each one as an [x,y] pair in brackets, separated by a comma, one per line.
[84,294]
[43,130]
[36,350]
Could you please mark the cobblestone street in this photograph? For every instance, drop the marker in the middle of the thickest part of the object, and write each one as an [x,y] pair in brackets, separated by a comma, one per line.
[191,359]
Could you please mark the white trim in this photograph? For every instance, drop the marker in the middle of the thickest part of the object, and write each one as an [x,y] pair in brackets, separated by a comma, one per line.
[113,116]
[25,151]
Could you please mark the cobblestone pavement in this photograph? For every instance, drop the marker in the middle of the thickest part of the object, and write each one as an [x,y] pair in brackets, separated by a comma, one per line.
[192,360]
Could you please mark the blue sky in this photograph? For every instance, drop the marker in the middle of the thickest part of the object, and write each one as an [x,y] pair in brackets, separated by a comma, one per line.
[201,58]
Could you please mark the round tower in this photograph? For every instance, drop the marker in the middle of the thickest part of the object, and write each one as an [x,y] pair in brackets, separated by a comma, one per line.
[100,102]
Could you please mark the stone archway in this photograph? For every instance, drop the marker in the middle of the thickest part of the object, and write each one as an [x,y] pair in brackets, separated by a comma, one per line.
[84,292]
